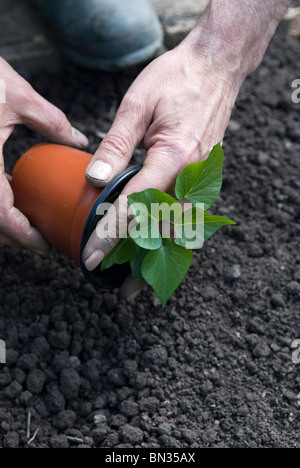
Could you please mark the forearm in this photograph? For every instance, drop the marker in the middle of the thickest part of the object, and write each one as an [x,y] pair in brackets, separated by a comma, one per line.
[234,34]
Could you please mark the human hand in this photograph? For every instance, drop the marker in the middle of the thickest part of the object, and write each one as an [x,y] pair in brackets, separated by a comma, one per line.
[20,104]
[178,110]
[180,105]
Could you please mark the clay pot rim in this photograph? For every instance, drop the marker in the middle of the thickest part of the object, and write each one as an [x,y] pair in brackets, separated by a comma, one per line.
[109,278]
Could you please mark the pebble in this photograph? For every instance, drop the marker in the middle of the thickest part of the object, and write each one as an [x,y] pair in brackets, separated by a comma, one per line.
[257,325]
[233,126]
[148,405]
[235,272]
[11,357]
[35,381]
[13,390]
[116,377]
[132,435]
[59,339]
[289,395]
[27,361]
[164,428]
[70,382]
[208,293]
[55,401]
[99,419]
[293,287]
[129,408]
[59,441]
[154,357]
[40,347]
[262,158]
[277,301]
[64,420]
[11,440]
[99,435]
[111,440]
[262,350]
[189,435]
[209,436]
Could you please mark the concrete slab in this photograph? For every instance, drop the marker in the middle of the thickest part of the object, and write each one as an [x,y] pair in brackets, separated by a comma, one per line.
[23,38]
[178,18]
[23,35]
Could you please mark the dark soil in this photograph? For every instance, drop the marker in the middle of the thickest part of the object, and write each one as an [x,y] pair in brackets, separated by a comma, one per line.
[213,369]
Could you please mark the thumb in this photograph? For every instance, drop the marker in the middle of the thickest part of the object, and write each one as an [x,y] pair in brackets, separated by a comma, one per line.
[159,171]
[50,122]
[115,151]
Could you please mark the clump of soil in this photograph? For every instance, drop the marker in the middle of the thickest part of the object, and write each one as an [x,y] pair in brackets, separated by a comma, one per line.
[214,369]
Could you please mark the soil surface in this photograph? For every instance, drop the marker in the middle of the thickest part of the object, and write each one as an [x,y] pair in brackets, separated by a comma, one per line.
[214,368]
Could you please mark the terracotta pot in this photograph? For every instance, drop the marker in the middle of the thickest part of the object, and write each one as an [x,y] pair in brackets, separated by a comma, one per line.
[50,188]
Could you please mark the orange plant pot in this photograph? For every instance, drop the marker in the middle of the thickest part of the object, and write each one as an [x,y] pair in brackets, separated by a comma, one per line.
[50,188]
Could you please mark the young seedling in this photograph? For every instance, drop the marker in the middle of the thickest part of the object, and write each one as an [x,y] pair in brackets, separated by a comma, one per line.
[164,260]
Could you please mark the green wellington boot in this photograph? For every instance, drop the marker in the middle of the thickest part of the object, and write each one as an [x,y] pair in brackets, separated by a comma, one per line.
[104,34]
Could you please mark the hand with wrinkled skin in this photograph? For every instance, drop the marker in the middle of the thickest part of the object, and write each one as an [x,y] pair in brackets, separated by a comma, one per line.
[20,104]
[171,122]
[179,106]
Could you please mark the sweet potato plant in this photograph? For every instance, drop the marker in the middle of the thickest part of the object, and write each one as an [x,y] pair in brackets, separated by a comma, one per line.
[164,260]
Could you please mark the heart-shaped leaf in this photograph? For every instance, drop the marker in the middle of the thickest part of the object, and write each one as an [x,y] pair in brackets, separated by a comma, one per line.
[201,182]
[165,268]
[213,223]
[123,252]
[189,228]
[136,263]
[149,208]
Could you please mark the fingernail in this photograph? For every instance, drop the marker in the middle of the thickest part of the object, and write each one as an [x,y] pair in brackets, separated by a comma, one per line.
[131,288]
[134,294]
[99,170]
[79,138]
[94,260]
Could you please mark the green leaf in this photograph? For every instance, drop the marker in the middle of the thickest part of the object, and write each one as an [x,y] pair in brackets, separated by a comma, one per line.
[164,269]
[213,223]
[110,200]
[149,208]
[123,252]
[136,263]
[189,228]
[201,182]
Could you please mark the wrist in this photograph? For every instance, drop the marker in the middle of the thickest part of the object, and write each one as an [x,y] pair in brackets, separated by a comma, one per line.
[232,35]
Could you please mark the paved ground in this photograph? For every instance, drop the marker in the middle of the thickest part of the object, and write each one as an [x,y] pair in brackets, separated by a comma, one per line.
[24,38]
[23,33]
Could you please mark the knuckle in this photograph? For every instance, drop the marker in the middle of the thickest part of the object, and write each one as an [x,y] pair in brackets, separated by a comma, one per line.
[116,145]
[130,106]
[172,156]
[108,239]
[59,121]
[177,154]
[24,91]
[106,232]
[25,96]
